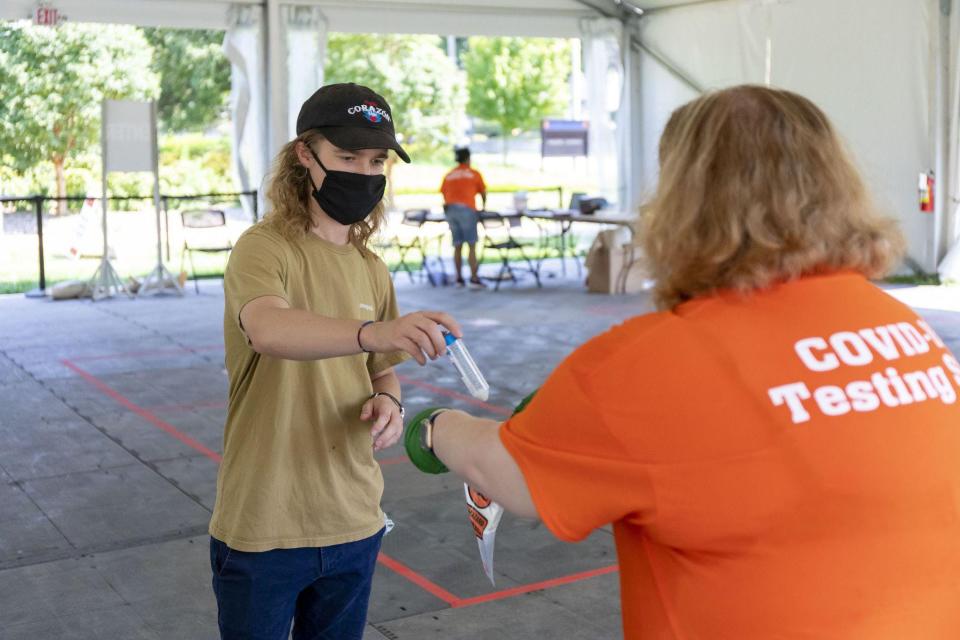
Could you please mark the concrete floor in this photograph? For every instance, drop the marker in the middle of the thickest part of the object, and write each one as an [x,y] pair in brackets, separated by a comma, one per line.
[111,418]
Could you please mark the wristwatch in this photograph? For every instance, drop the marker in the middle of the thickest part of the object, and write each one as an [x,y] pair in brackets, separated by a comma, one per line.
[391,396]
[426,431]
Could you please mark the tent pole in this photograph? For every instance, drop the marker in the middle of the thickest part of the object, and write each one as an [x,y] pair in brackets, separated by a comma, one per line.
[941,127]
[685,5]
[599,10]
[674,70]
[276,78]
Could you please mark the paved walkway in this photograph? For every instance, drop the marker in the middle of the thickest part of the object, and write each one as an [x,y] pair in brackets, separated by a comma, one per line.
[111,418]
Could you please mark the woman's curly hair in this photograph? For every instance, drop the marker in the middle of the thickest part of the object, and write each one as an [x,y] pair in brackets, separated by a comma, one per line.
[756,187]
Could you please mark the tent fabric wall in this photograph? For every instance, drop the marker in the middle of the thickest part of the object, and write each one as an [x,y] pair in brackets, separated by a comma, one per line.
[949,267]
[873,81]
[629,147]
[243,47]
[603,67]
[661,93]
[865,62]
[306,42]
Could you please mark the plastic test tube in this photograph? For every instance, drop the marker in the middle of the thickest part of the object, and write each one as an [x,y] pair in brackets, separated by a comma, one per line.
[469,372]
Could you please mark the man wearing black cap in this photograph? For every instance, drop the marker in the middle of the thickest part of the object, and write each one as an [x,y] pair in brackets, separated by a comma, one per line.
[312,332]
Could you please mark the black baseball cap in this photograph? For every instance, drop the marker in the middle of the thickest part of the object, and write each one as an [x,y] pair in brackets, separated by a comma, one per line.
[350,116]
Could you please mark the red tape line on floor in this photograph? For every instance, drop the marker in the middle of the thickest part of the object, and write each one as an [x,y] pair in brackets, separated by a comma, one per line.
[536,586]
[417,579]
[392,564]
[140,411]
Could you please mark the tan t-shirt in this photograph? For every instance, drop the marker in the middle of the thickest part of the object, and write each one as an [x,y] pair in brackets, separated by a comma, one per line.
[298,467]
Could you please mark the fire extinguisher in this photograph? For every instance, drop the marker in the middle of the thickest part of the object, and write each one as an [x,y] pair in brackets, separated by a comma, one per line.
[926,192]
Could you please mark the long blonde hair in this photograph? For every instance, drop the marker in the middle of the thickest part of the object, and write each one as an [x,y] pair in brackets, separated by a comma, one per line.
[756,188]
[289,191]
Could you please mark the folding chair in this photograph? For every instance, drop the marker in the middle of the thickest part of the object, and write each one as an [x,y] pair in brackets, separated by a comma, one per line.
[417,218]
[502,241]
[204,231]
[411,218]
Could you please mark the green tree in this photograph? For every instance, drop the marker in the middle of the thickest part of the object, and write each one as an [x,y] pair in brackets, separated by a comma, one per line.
[54,80]
[515,82]
[194,77]
[425,89]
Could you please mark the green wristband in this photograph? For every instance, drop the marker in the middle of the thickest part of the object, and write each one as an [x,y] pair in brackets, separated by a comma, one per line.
[523,403]
[422,458]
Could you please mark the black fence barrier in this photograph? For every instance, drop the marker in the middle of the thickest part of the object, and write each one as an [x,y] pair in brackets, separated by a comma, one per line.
[165,199]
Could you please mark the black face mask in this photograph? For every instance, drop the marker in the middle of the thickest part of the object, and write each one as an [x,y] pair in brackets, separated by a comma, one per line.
[347,197]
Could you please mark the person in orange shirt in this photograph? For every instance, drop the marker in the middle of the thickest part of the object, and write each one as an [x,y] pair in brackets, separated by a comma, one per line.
[778,446]
[460,189]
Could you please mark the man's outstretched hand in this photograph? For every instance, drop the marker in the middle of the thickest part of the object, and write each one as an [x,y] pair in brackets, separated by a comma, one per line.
[419,334]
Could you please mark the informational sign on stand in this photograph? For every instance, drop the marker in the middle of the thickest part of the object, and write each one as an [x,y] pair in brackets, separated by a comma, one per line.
[128,139]
[563,138]
[128,136]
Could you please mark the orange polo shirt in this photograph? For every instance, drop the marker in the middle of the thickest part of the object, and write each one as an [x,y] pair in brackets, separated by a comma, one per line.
[462,185]
[780,466]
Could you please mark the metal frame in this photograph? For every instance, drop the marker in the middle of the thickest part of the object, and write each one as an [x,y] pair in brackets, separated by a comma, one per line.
[160,279]
[105,279]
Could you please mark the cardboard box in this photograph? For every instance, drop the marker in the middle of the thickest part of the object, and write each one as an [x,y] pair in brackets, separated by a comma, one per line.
[615,265]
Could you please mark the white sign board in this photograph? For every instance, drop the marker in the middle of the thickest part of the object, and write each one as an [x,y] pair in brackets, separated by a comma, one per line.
[129,136]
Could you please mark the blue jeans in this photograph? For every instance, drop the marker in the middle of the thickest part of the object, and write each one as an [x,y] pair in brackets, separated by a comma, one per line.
[323,590]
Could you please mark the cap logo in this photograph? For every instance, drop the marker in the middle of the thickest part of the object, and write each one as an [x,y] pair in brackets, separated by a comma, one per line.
[371,111]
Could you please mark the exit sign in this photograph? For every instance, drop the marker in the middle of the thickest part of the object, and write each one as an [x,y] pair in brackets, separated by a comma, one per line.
[47,15]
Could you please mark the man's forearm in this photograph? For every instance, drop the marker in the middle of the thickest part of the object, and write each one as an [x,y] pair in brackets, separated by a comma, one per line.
[471,448]
[295,334]
[387,382]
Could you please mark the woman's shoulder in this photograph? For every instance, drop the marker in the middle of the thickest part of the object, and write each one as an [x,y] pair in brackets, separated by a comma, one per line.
[647,328]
